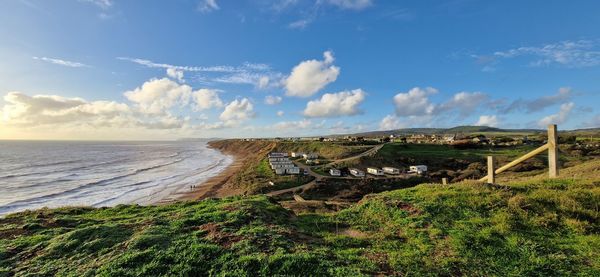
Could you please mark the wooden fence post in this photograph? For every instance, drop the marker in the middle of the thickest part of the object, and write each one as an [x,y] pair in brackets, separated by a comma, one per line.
[491,174]
[444,181]
[552,151]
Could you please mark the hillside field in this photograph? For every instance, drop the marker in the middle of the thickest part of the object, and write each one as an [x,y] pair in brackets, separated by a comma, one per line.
[533,227]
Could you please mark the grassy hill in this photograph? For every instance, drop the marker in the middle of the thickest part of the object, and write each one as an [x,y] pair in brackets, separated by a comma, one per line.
[526,228]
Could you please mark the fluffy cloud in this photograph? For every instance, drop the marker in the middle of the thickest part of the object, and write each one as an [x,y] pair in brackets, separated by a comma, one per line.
[488,120]
[391,122]
[37,110]
[273,100]
[176,74]
[336,104]
[558,118]
[415,102]
[308,77]
[465,103]
[60,62]
[206,98]
[237,111]
[351,4]
[280,113]
[158,95]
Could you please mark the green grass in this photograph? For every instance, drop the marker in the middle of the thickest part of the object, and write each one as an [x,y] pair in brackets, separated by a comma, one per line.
[392,150]
[530,228]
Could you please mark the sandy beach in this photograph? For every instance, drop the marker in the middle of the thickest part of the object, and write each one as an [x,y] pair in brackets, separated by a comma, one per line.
[217,186]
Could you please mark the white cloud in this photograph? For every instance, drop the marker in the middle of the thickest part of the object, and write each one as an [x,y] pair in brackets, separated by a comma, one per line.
[465,103]
[391,122]
[299,24]
[175,74]
[581,53]
[158,95]
[258,74]
[351,4]
[280,113]
[39,110]
[260,80]
[217,68]
[208,6]
[60,62]
[273,100]
[292,125]
[415,102]
[488,120]
[308,77]
[336,104]
[237,111]
[263,82]
[560,117]
[206,98]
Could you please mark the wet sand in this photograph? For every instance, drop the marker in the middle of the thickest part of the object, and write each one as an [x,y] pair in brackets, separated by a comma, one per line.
[243,154]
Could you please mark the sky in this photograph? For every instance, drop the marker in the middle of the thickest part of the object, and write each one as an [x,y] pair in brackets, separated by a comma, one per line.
[151,70]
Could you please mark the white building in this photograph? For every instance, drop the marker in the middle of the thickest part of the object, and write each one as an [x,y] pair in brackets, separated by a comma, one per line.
[279,171]
[419,169]
[278,155]
[335,172]
[297,154]
[310,156]
[292,170]
[357,173]
[374,171]
[391,170]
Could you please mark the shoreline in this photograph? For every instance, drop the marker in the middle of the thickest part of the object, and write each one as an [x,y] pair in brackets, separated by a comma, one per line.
[215,185]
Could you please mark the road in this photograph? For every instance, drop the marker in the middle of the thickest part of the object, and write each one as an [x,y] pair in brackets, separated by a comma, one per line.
[319,177]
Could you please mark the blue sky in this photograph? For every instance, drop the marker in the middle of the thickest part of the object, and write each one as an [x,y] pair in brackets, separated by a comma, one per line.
[110,69]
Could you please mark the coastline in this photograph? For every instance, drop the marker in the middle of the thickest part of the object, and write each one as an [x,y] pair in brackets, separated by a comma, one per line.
[243,154]
[215,185]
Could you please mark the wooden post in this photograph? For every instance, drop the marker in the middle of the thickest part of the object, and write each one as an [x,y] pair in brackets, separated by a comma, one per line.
[444,181]
[491,178]
[552,151]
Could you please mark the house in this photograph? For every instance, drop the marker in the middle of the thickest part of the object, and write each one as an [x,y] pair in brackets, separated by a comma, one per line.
[335,172]
[279,171]
[391,170]
[310,156]
[419,169]
[297,154]
[292,170]
[375,171]
[277,155]
[356,172]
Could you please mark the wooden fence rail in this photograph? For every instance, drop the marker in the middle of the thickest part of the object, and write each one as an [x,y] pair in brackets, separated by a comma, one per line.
[551,146]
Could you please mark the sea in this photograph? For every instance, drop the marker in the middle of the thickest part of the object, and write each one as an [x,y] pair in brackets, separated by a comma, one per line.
[36,174]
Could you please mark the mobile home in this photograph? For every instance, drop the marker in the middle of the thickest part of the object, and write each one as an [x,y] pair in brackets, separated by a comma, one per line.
[335,172]
[293,170]
[357,173]
[419,169]
[391,170]
[375,171]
